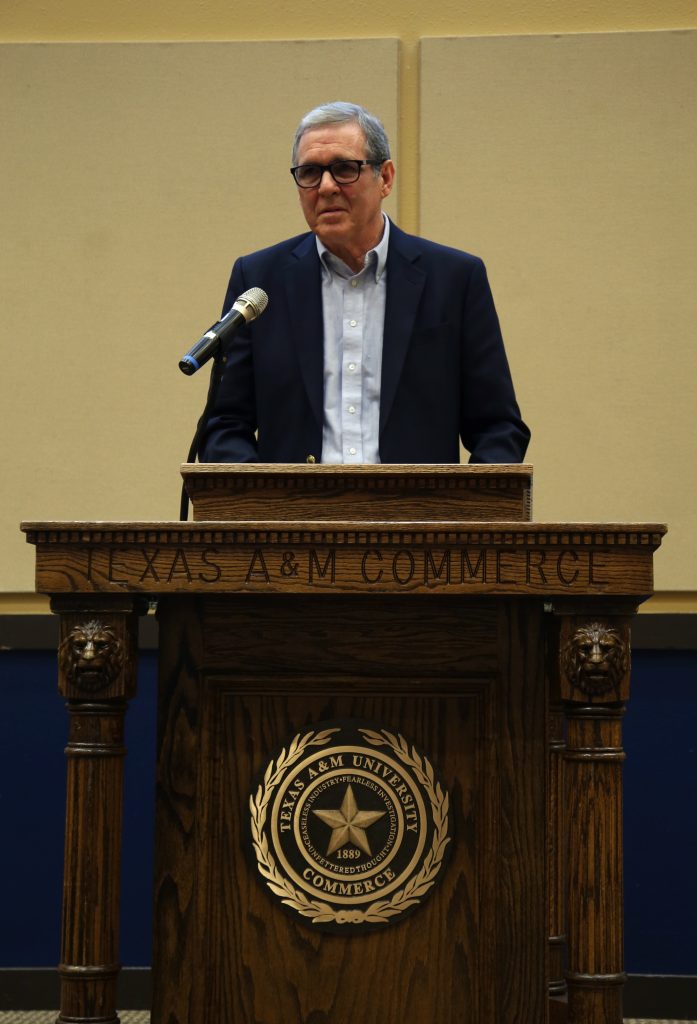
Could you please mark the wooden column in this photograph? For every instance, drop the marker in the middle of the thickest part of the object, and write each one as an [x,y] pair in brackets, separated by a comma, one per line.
[97,665]
[594,664]
[556,748]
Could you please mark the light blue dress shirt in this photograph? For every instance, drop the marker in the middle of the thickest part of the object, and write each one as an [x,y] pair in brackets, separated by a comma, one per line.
[353,306]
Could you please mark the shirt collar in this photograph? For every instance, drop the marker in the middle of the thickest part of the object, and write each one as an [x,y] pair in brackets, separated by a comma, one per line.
[376,257]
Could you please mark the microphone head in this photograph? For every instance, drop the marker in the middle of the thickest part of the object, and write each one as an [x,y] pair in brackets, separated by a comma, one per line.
[251,303]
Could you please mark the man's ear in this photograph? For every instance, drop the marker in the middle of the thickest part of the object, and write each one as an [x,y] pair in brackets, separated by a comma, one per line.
[387,175]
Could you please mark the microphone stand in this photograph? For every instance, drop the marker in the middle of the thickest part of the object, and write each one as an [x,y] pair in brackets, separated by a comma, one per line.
[216,375]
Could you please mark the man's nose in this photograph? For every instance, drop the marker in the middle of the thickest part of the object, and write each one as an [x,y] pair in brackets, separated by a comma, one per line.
[327,183]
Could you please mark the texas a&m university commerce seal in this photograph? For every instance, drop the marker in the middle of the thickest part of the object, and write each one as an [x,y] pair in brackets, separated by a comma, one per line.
[350,826]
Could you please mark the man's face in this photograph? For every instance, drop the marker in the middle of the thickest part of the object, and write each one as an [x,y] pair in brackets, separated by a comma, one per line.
[346,218]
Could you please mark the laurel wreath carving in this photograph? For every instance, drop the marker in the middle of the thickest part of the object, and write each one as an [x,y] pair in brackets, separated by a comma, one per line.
[382,910]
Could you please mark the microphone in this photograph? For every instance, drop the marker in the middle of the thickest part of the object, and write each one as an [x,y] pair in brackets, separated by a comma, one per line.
[246,308]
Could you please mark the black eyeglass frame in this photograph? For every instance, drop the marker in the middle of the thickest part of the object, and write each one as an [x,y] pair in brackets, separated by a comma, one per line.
[359,164]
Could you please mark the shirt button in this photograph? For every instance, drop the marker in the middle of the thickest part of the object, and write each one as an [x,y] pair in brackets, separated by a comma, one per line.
[352,367]
[354,282]
[352,451]
[352,408]
[352,323]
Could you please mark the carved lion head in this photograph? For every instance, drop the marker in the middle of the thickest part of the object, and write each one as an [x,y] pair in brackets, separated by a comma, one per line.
[91,655]
[595,660]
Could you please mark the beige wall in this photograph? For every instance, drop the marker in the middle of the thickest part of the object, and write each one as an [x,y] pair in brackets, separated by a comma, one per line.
[581,193]
[129,199]
[249,19]
[132,182]
[407,20]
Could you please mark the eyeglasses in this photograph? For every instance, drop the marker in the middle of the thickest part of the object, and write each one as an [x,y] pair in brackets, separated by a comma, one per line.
[344,172]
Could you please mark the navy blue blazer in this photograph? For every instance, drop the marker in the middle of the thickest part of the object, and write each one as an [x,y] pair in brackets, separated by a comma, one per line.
[445,375]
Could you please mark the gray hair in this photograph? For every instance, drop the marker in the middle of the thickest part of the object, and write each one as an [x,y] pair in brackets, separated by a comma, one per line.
[377,146]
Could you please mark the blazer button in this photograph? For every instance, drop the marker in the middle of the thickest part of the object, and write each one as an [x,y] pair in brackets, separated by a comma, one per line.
[311,459]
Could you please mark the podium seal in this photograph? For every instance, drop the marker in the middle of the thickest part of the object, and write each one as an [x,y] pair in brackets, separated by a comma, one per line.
[350,827]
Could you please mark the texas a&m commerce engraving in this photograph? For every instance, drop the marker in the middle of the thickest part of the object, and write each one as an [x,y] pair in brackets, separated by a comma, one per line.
[279,566]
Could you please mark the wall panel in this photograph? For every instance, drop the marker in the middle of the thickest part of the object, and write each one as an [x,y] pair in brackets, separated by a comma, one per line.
[133,175]
[569,163]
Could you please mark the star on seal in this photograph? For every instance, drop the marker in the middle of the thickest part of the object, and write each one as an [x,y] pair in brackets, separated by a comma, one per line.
[348,824]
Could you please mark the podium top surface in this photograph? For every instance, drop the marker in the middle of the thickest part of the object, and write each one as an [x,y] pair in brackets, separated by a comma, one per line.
[302,469]
[388,493]
[352,530]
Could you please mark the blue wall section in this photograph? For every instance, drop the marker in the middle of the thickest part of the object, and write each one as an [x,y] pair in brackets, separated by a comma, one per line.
[32,807]
[33,733]
[660,813]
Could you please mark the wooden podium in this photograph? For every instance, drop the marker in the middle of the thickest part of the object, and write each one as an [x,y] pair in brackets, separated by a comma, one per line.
[422,600]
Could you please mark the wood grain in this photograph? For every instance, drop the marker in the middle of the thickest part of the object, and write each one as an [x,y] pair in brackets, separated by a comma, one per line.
[556,805]
[367,557]
[475,951]
[95,753]
[421,619]
[388,493]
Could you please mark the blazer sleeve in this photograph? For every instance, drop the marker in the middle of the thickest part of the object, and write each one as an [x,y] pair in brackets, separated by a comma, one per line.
[491,427]
[230,433]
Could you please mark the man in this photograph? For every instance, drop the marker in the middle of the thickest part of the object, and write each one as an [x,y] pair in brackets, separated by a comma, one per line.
[376,346]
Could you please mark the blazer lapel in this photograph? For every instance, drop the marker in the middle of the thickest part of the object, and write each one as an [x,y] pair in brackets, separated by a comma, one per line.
[405,283]
[304,294]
